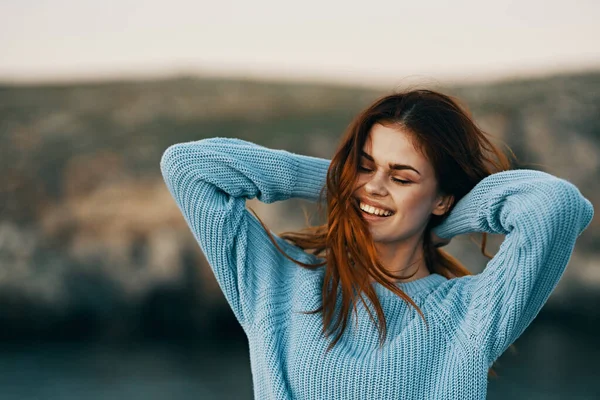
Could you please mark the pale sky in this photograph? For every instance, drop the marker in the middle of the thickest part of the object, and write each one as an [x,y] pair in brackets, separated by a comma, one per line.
[363,42]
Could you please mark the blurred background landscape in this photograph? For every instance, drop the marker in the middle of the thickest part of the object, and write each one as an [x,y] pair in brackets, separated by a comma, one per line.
[104,293]
[93,248]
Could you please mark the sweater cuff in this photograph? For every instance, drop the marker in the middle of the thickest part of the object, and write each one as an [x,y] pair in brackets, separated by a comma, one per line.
[311,177]
[459,222]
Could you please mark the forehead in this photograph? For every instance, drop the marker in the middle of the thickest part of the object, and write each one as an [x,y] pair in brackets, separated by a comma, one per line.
[393,145]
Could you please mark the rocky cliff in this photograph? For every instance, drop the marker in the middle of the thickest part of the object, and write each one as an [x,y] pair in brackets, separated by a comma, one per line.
[91,243]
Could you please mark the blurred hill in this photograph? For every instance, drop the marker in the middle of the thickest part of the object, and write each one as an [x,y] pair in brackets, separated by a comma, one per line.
[92,244]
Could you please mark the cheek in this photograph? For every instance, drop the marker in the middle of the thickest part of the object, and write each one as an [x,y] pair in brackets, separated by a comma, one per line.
[360,181]
[414,205]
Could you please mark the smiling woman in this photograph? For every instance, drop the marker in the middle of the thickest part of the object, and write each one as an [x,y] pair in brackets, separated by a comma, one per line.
[412,171]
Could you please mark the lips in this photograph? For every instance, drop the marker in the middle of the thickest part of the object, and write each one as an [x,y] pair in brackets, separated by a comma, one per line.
[373,217]
[374,204]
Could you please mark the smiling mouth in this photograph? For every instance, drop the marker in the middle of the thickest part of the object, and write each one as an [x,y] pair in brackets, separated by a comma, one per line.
[372,212]
[373,216]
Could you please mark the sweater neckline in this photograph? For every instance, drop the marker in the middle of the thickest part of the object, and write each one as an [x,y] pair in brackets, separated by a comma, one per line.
[411,287]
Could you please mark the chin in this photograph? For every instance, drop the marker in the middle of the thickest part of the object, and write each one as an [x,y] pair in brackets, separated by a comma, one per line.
[392,235]
[386,239]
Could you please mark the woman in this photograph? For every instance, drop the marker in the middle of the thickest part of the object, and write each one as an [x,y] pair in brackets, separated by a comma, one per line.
[412,172]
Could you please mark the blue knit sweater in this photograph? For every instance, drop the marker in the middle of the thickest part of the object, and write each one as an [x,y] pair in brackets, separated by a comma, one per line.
[472,319]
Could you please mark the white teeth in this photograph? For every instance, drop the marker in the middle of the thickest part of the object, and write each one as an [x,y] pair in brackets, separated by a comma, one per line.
[373,210]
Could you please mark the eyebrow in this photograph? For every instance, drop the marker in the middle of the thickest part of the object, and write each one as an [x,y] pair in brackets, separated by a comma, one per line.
[392,166]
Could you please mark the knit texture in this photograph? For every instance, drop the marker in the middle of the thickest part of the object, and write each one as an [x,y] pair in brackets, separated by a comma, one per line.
[472,319]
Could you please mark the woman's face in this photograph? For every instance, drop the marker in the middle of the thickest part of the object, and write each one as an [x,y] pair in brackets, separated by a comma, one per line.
[395,176]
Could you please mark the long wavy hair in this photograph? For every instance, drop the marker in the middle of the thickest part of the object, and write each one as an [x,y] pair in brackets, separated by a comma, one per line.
[444,131]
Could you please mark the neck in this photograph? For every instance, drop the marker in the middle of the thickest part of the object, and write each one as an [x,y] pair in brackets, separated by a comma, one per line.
[404,258]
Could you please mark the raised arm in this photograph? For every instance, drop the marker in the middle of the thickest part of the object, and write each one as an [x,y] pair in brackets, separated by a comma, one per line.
[210,180]
[541,216]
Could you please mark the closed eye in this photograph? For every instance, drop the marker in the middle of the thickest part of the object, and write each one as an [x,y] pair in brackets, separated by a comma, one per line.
[403,182]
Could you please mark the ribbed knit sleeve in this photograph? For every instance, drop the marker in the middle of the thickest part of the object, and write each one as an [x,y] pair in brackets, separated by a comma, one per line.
[210,180]
[541,216]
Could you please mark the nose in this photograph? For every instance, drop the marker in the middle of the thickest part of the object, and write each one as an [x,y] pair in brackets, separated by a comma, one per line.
[375,186]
